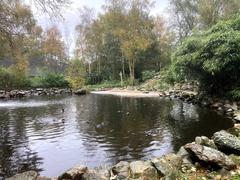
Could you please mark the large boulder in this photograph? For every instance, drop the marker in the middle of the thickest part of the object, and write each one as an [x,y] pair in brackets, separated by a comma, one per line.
[143,170]
[121,170]
[205,141]
[29,175]
[227,142]
[210,156]
[187,162]
[99,173]
[75,173]
[168,166]
[237,116]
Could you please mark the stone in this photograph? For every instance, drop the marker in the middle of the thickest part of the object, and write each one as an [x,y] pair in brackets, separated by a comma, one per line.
[75,173]
[235,159]
[205,141]
[99,173]
[143,170]
[216,105]
[43,178]
[121,170]
[29,175]
[227,142]
[167,166]
[237,116]
[210,156]
[80,92]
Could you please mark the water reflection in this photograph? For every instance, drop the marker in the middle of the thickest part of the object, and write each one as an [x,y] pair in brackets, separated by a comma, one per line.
[96,129]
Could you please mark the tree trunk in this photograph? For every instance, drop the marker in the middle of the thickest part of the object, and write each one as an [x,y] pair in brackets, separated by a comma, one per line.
[89,68]
[132,72]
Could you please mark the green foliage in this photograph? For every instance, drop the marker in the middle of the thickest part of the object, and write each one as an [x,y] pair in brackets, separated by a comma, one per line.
[212,57]
[123,38]
[106,85]
[47,80]
[148,75]
[76,74]
[11,78]
[235,94]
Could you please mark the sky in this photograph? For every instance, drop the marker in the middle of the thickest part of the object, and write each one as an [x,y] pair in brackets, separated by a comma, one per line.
[71,17]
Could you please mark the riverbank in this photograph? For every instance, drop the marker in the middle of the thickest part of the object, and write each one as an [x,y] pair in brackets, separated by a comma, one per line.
[127,93]
[33,92]
[215,158]
[188,94]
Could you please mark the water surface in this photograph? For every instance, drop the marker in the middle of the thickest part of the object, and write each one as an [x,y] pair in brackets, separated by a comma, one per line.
[35,133]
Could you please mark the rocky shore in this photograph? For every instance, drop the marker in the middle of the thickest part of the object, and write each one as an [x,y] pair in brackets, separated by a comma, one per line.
[189,94]
[33,92]
[39,92]
[214,158]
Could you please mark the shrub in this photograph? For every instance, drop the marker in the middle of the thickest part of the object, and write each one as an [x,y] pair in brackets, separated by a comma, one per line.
[76,74]
[12,78]
[212,57]
[148,75]
[47,80]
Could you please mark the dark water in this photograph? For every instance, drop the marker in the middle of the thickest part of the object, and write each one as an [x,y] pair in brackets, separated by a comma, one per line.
[98,129]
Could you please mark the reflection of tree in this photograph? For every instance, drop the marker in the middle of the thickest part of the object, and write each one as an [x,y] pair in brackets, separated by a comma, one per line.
[20,124]
[15,155]
[188,121]
[120,123]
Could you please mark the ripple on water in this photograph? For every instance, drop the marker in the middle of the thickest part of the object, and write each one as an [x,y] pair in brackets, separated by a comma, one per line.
[96,130]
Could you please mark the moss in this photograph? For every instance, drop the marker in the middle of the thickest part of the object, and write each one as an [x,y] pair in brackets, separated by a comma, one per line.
[236,177]
[235,159]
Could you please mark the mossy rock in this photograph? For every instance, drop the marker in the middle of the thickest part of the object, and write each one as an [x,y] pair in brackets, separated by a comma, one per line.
[235,159]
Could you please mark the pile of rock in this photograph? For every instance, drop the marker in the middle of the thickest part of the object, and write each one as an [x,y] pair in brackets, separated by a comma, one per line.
[224,107]
[219,154]
[33,92]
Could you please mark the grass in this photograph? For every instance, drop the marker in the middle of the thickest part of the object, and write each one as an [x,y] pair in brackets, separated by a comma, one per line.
[106,85]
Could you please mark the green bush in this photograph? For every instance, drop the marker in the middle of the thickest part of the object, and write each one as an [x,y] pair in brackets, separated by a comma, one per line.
[47,80]
[212,58]
[11,78]
[148,75]
[235,94]
[76,74]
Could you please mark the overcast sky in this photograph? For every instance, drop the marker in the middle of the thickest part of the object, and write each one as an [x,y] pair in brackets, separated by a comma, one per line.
[71,17]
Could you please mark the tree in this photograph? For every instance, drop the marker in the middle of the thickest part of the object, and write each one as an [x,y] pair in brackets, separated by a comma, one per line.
[190,15]
[54,49]
[136,35]
[76,74]
[183,17]
[212,58]
[165,40]
[16,21]
[82,35]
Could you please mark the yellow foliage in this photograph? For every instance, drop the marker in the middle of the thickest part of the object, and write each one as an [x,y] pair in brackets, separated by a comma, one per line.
[76,74]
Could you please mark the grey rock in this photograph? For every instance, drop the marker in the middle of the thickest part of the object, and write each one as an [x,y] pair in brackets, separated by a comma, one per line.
[121,170]
[75,173]
[216,105]
[187,162]
[227,142]
[29,175]
[43,178]
[205,141]
[99,173]
[143,170]
[168,165]
[210,156]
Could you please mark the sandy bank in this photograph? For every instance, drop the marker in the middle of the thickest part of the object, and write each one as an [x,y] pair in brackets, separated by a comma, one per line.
[127,93]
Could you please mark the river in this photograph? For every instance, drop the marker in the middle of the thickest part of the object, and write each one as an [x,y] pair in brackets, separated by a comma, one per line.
[53,133]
